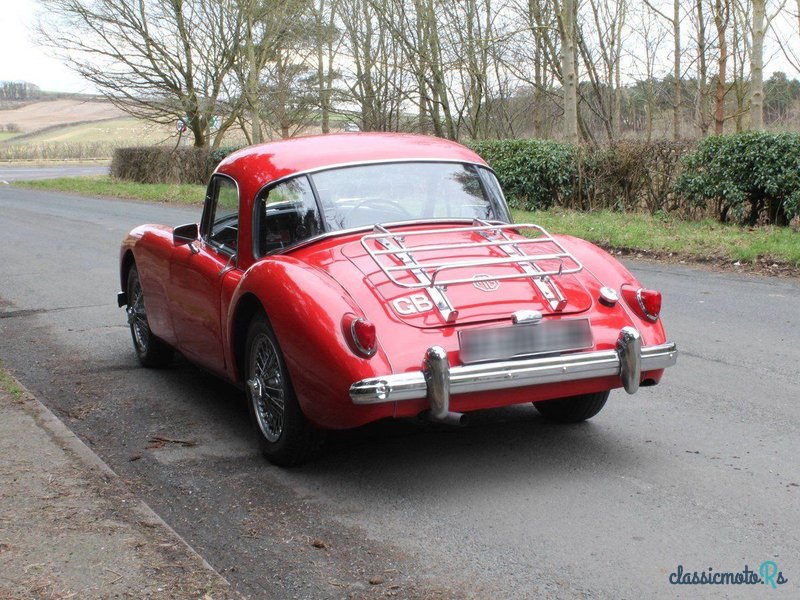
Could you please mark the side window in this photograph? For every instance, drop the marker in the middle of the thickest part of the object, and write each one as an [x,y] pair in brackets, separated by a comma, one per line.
[222,216]
[287,214]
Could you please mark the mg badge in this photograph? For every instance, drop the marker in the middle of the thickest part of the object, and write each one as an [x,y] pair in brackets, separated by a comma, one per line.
[483,283]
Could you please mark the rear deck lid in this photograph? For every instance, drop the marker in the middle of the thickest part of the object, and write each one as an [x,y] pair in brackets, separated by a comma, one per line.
[483,273]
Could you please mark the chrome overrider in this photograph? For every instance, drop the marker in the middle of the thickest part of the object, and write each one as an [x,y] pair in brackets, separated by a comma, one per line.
[438,380]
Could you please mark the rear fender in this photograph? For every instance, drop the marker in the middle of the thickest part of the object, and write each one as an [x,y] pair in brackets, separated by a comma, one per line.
[305,307]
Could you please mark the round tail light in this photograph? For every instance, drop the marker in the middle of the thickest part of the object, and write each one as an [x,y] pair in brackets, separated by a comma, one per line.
[360,334]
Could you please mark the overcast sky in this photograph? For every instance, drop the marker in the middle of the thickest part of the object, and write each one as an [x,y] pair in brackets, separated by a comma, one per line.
[23,60]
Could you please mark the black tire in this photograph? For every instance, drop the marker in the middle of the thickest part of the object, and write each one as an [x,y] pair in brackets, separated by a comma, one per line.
[574,409]
[151,351]
[285,435]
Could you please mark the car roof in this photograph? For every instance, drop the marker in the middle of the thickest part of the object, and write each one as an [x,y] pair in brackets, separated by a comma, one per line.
[264,163]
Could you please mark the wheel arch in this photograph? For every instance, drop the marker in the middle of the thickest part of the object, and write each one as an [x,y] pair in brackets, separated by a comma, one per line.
[126,262]
[247,307]
[304,308]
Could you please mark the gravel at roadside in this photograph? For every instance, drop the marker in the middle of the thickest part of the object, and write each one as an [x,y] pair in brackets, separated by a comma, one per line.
[69,528]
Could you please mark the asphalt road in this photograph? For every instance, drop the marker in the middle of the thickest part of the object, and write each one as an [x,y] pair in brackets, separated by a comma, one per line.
[20,173]
[700,471]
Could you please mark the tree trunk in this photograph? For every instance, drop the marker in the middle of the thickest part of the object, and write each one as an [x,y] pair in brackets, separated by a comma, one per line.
[323,96]
[569,74]
[617,97]
[757,66]
[252,81]
[198,126]
[721,14]
[702,71]
[676,70]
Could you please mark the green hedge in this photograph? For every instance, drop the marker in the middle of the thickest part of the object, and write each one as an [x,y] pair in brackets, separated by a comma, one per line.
[743,177]
[160,164]
[534,174]
[626,175]
[748,176]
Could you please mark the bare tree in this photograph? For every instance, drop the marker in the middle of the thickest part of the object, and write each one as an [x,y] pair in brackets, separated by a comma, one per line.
[702,119]
[649,42]
[327,41]
[757,65]
[374,60]
[722,16]
[569,78]
[740,52]
[288,91]
[156,59]
[677,74]
[676,70]
[534,59]
[600,41]
[267,27]
[761,22]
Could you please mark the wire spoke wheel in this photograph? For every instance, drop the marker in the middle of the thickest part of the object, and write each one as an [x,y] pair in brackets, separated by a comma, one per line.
[285,436]
[137,317]
[151,350]
[266,383]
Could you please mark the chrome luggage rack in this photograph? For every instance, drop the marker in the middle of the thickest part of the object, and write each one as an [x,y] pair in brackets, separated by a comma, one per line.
[428,273]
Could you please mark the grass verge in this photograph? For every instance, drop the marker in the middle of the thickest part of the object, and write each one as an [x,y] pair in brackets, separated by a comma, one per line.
[704,241]
[8,384]
[111,188]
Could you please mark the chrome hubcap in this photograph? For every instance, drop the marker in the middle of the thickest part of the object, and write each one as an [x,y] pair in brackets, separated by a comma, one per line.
[266,388]
[137,319]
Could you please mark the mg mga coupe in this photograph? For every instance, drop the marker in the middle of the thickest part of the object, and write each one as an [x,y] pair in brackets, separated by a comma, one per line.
[343,279]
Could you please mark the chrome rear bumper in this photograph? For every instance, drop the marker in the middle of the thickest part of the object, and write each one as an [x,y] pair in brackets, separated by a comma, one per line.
[437,380]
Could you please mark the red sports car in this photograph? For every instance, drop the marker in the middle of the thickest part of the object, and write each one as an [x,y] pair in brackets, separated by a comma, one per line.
[343,279]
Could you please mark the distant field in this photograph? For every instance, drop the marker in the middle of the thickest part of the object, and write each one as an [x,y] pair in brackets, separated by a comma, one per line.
[92,140]
[126,131]
[80,129]
[38,115]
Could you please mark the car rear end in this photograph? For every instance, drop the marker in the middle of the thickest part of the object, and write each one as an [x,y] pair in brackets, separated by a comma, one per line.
[475,315]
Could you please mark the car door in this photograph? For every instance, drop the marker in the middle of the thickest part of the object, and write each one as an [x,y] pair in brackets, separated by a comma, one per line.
[198,272]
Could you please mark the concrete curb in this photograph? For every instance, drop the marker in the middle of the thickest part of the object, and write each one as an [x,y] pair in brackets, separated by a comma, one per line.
[73,444]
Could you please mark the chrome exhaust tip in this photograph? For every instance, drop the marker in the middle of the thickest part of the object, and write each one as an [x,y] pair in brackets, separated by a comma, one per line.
[453,419]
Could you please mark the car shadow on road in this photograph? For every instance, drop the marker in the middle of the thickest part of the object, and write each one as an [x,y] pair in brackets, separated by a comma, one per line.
[497,449]
[497,446]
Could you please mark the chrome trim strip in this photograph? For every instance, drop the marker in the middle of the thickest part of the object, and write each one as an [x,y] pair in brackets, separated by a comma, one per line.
[511,374]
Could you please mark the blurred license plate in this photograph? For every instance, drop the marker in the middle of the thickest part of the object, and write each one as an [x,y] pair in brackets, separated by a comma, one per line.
[517,341]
